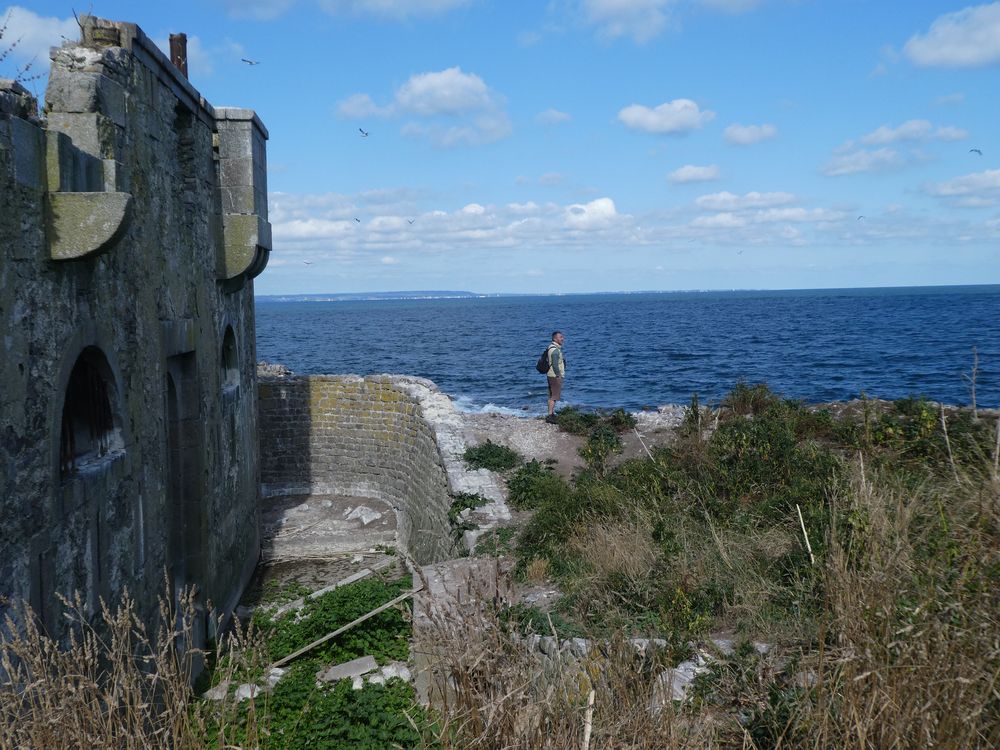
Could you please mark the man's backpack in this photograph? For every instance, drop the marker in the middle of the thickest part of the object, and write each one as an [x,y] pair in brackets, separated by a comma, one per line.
[543,362]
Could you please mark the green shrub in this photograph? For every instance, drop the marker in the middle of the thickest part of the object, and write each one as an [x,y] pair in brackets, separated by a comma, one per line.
[499,541]
[534,484]
[747,399]
[576,422]
[385,636]
[601,443]
[492,456]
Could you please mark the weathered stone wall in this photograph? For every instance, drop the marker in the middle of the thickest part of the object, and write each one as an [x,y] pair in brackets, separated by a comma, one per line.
[127,378]
[364,437]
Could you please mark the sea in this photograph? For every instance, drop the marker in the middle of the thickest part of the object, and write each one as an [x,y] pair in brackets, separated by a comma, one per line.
[642,350]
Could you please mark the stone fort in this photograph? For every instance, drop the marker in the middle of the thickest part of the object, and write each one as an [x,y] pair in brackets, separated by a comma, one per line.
[135,439]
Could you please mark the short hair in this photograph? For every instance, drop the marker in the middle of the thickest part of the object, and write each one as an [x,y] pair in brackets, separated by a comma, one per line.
[554,334]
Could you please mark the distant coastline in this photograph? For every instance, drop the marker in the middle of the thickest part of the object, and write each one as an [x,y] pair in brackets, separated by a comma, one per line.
[434,294]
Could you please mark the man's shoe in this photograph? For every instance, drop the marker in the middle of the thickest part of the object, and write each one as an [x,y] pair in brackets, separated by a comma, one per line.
[551,419]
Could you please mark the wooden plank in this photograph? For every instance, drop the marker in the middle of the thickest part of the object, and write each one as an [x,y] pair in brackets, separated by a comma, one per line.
[402,597]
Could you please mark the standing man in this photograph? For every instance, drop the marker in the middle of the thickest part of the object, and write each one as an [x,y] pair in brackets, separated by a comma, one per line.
[556,373]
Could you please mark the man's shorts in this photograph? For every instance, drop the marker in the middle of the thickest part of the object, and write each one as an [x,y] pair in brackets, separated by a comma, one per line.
[555,388]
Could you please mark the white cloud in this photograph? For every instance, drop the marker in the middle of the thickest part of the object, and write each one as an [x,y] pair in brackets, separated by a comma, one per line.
[596,214]
[745,135]
[29,36]
[956,98]
[258,10]
[677,116]
[550,178]
[982,187]
[912,130]
[797,215]
[950,133]
[731,6]
[640,19]
[388,260]
[967,38]
[320,228]
[458,108]
[726,201]
[395,10]
[445,92]
[692,173]
[863,160]
[726,220]
[359,106]
[552,117]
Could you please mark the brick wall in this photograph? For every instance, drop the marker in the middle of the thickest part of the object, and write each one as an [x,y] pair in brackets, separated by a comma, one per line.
[364,437]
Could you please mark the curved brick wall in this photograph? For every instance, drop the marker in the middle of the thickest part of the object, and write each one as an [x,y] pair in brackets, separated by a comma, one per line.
[362,437]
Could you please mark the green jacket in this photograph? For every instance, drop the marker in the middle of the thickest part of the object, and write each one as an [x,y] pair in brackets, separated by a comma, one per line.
[557,363]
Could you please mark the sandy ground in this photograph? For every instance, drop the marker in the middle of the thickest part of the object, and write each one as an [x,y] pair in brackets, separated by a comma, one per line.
[533,437]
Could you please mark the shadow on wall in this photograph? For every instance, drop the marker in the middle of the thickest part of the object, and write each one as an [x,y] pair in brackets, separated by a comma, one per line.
[357,437]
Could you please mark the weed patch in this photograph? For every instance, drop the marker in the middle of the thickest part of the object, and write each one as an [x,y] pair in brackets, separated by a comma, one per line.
[492,456]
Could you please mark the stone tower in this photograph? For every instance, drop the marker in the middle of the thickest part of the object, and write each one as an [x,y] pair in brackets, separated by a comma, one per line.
[133,219]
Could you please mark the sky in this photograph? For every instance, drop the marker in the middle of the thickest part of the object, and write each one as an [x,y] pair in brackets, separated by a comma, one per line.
[599,145]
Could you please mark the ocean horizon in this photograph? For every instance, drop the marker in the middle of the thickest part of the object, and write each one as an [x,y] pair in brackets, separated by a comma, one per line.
[640,350]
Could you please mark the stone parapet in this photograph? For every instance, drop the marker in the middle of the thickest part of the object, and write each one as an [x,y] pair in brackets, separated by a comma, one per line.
[393,437]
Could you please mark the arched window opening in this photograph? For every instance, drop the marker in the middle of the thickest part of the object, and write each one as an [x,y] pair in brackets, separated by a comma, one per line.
[230,360]
[90,426]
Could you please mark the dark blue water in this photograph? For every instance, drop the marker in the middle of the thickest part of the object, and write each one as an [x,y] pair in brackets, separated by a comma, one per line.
[636,350]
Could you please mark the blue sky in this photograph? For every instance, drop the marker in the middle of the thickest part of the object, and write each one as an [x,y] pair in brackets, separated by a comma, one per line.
[602,145]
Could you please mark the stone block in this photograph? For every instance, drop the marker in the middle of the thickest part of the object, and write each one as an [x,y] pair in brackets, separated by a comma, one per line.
[91,132]
[348,670]
[79,91]
[28,153]
[82,224]
[236,172]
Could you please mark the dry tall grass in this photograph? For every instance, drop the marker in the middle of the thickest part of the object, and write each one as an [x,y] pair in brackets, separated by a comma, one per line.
[905,654]
[113,684]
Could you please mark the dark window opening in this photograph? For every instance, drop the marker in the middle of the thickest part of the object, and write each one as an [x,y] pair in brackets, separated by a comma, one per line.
[89,428]
[230,360]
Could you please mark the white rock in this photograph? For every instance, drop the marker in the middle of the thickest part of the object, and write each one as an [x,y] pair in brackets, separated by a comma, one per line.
[348,669]
[673,684]
[245,692]
[364,514]
[217,693]
[273,675]
[396,669]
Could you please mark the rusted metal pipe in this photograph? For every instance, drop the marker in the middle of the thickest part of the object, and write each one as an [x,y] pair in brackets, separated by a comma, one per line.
[179,52]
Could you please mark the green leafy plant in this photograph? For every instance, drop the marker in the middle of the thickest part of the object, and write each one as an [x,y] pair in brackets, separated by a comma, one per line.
[535,484]
[385,636]
[492,456]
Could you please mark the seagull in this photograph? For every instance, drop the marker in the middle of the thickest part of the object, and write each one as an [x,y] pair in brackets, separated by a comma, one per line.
[357,219]
[860,218]
[364,133]
[410,221]
[307,262]
[975,151]
[250,62]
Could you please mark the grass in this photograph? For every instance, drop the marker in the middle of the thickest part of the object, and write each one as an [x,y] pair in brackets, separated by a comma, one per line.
[492,456]
[885,637]
[115,685]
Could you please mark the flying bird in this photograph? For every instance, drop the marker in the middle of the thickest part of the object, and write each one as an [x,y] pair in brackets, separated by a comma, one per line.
[410,221]
[860,218]
[975,151]
[739,252]
[307,262]
[364,133]
[250,62]
[357,219]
